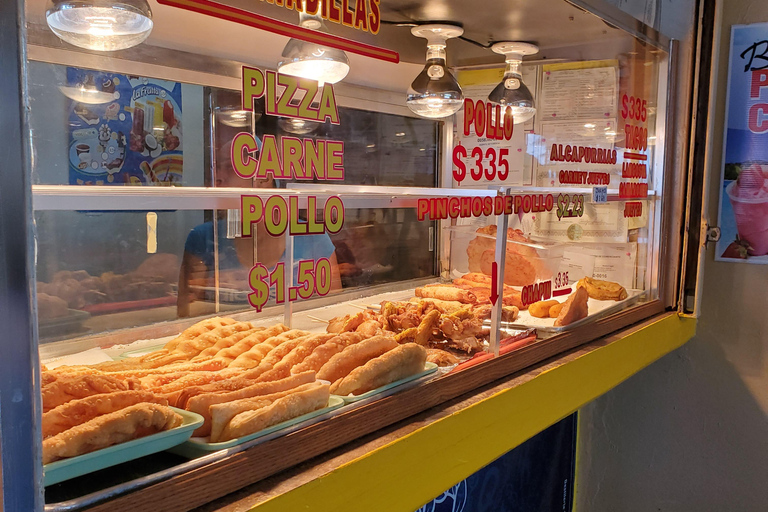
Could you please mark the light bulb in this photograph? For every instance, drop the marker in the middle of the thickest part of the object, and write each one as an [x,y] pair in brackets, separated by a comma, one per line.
[104,25]
[512,91]
[435,93]
[311,60]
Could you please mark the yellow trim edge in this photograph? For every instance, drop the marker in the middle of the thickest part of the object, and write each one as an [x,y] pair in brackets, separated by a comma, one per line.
[407,473]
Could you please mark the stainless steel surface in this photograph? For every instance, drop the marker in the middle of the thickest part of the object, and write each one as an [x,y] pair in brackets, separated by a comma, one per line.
[106,198]
[134,485]
[20,433]
[500,257]
[667,246]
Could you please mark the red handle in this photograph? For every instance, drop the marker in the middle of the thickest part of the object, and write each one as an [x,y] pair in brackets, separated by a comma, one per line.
[485,356]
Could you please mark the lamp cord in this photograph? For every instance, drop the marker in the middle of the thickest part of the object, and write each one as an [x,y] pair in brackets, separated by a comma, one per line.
[414,24]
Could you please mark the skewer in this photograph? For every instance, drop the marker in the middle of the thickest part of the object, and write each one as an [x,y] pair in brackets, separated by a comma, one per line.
[358,306]
[314,318]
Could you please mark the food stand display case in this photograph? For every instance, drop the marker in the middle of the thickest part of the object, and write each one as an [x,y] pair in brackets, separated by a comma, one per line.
[237,236]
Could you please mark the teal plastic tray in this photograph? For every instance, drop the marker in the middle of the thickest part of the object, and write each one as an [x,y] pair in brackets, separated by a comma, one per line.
[198,446]
[66,469]
[428,368]
[138,352]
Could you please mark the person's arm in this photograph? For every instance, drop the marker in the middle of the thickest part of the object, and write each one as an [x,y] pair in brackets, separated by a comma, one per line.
[335,274]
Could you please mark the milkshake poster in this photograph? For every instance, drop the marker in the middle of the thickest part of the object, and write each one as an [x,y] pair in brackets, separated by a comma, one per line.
[743,216]
[124,130]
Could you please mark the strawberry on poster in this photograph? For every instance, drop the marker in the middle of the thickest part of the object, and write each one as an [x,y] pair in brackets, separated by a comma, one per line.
[743,212]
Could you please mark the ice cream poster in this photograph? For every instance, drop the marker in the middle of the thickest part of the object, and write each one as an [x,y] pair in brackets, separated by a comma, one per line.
[743,217]
[124,130]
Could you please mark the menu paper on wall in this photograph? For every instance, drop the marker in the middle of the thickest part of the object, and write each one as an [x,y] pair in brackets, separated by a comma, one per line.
[131,136]
[743,209]
[477,85]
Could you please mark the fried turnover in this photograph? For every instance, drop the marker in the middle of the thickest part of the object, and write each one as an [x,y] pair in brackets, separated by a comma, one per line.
[201,403]
[76,412]
[68,387]
[282,368]
[253,358]
[396,364]
[282,409]
[236,346]
[324,352]
[602,290]
[355,355]
[109,429]
[575,308]
[221,414]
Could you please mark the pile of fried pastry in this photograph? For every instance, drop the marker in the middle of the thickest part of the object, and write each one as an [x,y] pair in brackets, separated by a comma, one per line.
[239,378]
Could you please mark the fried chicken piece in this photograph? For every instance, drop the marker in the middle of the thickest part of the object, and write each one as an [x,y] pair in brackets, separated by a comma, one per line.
[441,357]
[370,328]
[461,324]
[602,290]
[393,365]
[575,308]
[421,334]
[346,323]
[110,429]
[77,412]
[469,344]
[398,316]
[202,403]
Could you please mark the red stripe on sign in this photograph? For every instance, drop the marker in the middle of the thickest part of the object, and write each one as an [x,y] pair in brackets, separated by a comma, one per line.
[635,156]
[561,292]
[226,12]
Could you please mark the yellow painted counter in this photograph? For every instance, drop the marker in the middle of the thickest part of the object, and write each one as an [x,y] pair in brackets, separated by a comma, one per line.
[404,470]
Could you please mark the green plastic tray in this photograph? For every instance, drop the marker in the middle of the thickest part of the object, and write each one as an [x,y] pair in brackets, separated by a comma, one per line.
[66,469]
[197,446]
[428,368]
[138,352]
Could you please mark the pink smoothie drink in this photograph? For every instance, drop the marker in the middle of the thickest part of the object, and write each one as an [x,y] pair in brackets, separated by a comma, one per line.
[749,198]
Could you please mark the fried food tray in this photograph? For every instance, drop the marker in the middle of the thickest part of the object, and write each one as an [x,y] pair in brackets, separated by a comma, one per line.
[429,368]
[199,446]
[72,467]
[597,309]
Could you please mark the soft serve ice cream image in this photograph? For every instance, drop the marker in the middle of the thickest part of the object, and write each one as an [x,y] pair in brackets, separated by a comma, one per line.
[749,198]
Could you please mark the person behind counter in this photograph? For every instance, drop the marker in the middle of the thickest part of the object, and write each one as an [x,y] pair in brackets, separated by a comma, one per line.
[236,256]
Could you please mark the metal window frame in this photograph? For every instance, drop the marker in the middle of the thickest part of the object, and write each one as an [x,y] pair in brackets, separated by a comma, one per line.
[20,402]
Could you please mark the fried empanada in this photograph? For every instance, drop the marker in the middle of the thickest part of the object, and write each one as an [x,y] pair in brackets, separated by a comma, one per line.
[355,355]
[282,368]
[283,409]
[109,429]
[77,412]
[201,403]
[396,364]
[602,290]
[221,414]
